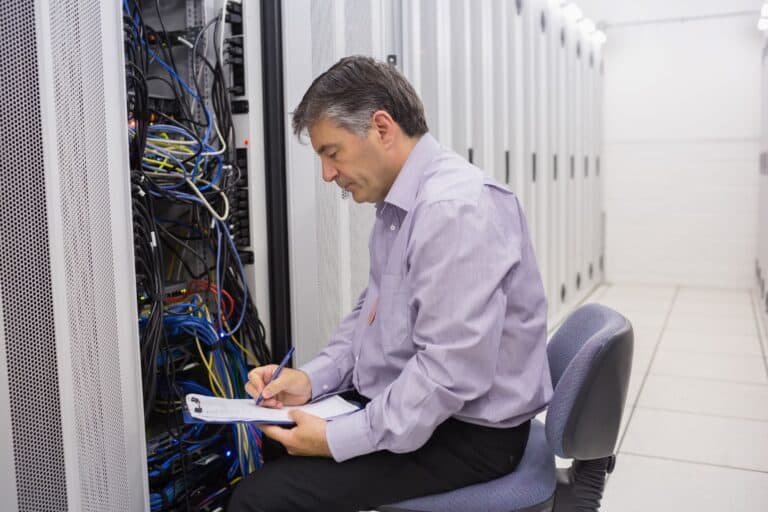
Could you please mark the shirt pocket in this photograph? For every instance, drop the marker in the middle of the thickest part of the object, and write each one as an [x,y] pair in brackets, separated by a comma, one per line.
[394,313]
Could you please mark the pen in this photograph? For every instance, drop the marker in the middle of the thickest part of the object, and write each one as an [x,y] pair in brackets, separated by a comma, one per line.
[276,373]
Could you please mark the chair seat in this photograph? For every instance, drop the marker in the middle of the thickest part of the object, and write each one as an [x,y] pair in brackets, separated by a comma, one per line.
[531,484]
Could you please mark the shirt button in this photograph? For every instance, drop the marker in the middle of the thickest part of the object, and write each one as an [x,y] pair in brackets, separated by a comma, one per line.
[357,358]
[325,387]
[392,227]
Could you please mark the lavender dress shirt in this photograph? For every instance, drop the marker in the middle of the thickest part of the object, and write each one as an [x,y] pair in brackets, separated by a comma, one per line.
[453,320]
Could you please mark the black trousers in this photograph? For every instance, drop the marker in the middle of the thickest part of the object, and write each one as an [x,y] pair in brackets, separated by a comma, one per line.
[458,454]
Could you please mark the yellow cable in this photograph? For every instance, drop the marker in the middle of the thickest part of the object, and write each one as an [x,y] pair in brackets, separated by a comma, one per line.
[215,385]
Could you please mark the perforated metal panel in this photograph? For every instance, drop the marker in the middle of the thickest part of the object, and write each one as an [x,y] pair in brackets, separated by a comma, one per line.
[78,77]
[328,204]
[25,287]
[341,227]
[359,33]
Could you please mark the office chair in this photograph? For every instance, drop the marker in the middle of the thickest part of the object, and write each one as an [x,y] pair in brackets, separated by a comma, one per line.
[590,359]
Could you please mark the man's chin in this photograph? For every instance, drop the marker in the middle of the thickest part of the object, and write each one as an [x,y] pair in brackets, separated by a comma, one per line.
[358,195]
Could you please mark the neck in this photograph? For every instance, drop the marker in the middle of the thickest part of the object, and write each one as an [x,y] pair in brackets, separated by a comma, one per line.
[404,151]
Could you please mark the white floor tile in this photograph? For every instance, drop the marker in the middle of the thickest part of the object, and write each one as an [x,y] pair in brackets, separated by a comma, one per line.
[641,360]
[642,484]
[723,367]
[705,400]
[740,310]
[623,305]
[647,317]
[644,294]
[713,296]
[707,324]
[646,337]
[734,313]
[749,401]
[722,441]
[710,343]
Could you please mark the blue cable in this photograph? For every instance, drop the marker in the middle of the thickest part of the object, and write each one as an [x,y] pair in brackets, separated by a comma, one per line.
[175,75]
[219,227]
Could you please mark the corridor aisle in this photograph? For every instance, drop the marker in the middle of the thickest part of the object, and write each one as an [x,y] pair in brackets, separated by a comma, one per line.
[695,429]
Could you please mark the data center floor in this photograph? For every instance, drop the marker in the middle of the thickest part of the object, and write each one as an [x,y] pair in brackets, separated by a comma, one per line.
[694,434]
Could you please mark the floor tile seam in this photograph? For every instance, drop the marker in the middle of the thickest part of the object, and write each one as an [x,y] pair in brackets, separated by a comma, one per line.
[714,379]
[648,369]
[698,413]
[713,353]
[688,461]
[741,337]
[761,331]
[709,379]
[667,348]
[718,289]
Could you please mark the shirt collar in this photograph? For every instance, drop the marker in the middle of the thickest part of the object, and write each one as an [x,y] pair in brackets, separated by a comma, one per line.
[406,186]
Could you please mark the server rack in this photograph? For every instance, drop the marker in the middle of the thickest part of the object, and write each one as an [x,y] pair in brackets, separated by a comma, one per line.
[71,434]
[504,83]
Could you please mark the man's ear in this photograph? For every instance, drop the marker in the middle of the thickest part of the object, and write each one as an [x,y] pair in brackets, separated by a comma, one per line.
[386,128]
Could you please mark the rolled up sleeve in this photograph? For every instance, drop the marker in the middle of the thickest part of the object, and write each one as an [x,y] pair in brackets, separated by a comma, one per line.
[331,369]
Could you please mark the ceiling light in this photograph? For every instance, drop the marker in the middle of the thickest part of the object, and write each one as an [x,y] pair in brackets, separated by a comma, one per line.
[572,12]
[600,37]
[588,26]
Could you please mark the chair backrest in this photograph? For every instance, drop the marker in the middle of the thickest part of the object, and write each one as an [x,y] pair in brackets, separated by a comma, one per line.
[590,359]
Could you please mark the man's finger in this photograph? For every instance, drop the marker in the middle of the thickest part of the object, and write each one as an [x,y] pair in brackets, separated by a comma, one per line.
[262,371]
[274,387]
[279,434]
[272,403]
[259,376]
[298,416]
[251,390]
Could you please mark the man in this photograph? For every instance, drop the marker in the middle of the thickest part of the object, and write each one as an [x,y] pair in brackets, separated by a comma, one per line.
[447,344]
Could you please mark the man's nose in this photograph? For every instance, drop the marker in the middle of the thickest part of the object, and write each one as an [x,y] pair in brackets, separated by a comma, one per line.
[329,172]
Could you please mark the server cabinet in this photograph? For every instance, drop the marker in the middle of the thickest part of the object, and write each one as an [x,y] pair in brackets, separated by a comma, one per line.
[568,286]
[588,171]
[556,231]
[504,83]
[598,221]
[530,120]
[578,165]
[328,232]
[541,177]
[515,163]
[761,258]
[71,432]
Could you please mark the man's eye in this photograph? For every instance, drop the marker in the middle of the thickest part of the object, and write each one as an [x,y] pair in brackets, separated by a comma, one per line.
[333,156]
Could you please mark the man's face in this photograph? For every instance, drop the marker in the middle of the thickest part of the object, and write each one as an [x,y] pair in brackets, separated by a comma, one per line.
[356,164]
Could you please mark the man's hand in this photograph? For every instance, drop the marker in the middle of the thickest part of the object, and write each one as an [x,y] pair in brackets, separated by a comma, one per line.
[307,438]
[291,387]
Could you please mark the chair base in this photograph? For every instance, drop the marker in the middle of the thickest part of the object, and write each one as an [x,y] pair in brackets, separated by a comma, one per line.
[581,486]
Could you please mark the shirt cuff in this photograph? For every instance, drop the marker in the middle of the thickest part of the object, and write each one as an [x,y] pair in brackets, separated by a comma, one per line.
[323,376]
[348,436]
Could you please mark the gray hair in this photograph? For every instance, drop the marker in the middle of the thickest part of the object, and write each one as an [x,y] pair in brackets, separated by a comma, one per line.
[352,90]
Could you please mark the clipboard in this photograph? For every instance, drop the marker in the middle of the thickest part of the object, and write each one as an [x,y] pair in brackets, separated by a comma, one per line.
[209,409]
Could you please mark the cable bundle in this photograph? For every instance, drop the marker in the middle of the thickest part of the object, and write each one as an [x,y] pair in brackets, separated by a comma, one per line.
[199,327]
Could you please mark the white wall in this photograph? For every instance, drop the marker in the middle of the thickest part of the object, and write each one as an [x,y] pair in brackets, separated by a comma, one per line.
[682,125]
